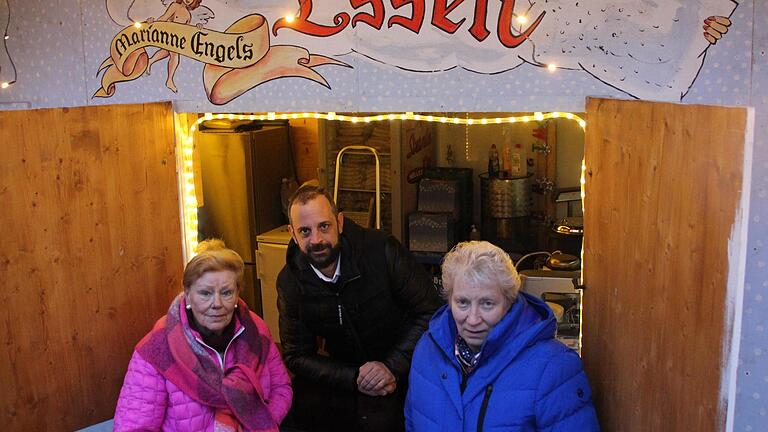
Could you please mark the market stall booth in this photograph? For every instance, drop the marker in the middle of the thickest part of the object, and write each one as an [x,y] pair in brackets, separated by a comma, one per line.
[106,201]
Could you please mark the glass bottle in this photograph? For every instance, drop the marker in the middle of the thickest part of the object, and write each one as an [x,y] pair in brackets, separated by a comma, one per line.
[493,162]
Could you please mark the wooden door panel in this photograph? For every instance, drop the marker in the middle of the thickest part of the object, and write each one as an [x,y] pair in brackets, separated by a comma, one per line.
[663,198]
[90,257]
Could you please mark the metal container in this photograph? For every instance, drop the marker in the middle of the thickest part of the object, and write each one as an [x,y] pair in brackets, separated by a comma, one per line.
[505,206]
[506,198]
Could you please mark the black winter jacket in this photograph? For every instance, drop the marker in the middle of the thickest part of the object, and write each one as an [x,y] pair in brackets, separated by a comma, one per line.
[376,311]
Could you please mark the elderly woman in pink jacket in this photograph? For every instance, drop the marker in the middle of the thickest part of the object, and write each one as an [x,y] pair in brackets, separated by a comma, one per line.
[208,365]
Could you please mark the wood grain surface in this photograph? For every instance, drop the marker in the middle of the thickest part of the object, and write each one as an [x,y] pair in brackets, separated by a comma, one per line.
[664,184]
[89,259]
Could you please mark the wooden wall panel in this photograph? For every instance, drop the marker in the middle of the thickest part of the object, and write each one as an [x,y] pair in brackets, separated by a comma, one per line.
[664,183]
[90,256]
[306,144]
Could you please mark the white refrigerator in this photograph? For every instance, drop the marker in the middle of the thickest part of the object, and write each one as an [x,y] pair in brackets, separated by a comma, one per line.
[270,259]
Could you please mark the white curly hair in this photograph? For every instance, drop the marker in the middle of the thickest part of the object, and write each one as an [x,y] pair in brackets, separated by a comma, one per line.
[480,262]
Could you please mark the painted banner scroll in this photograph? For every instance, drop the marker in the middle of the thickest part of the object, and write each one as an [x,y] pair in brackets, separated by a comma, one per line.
[236,60]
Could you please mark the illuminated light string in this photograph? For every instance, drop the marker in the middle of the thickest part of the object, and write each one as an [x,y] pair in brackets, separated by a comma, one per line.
[332,116]
[582,186]
[5,84]
[466,140]
[189,197]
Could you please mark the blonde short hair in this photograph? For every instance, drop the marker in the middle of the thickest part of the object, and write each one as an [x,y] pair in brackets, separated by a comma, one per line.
[212,255]
[480,262]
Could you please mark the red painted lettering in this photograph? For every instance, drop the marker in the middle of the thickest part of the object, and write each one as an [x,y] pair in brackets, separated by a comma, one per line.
[478,29]
[302,24]
[375,20]
[417,17]
[506,37]
[440,13]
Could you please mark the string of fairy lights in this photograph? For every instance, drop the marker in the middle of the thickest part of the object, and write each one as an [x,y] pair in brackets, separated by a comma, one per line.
[187,174]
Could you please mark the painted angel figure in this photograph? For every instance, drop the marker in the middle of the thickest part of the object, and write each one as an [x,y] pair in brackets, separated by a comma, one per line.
[179,11]
[650,50]
[126,12]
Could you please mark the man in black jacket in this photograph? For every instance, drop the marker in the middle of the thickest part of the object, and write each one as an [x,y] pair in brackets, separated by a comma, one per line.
[358,290]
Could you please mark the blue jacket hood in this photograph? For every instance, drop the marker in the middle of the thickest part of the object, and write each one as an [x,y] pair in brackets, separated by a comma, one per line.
[529,320]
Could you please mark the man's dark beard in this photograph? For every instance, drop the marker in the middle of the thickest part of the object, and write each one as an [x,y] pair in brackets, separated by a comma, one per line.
[325,262]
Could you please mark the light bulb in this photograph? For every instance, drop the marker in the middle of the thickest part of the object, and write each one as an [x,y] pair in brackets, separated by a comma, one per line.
[551,67]
[289,18]
[521,19]
[137,24]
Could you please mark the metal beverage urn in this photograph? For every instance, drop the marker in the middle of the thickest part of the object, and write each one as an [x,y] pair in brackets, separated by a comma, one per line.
[506,210]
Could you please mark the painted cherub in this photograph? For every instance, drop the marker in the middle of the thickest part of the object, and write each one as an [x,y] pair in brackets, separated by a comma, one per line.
[178,11]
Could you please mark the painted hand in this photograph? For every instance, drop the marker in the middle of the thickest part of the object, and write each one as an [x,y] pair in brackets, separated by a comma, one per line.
[715,27]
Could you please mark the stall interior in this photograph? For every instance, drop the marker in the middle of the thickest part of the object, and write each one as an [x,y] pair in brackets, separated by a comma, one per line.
[431,183]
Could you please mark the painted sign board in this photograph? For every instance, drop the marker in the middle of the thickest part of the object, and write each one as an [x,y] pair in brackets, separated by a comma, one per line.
[644,49]
[331,54]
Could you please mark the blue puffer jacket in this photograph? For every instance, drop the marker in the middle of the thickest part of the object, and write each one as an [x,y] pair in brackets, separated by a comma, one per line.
[525,381]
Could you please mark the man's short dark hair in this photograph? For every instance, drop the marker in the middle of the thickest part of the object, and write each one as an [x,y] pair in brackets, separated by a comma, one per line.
[307,193]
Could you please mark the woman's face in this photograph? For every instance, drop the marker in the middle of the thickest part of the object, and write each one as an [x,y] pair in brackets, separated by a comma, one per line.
[476,308]
[213,298]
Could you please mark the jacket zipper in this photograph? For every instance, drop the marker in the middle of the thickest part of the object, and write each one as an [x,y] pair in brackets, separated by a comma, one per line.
[463,384]
[338,306]
[223,356]
[351,326]
[484,407]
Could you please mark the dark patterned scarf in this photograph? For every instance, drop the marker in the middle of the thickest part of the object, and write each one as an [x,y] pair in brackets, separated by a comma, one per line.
[235,392]
[468,359]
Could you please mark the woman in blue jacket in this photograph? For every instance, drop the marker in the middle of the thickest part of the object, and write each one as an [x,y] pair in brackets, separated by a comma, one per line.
[489,360]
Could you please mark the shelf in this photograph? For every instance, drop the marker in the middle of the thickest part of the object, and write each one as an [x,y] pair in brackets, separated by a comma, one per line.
[363,190]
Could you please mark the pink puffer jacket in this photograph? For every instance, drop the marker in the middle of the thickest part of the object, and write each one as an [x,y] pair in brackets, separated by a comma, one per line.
[148,402]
